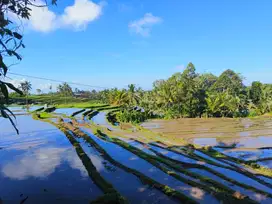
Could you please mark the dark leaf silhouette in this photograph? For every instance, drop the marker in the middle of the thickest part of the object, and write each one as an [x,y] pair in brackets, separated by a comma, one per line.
[4,90]
[11,86]
[17,35]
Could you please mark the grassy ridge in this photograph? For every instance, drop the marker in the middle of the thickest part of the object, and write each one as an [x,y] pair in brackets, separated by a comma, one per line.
[59,101]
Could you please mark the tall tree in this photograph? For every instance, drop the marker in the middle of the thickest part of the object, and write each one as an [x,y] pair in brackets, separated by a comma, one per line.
[26,86]
[163,93]
[229,81]
[120,98]
[206,81]
[65,89]
[133,95]
[188,79]
[255,92]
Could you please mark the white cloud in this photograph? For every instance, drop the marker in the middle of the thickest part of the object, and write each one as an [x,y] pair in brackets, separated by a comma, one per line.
[77,16]
[143,26]
[42,19]
[81,13]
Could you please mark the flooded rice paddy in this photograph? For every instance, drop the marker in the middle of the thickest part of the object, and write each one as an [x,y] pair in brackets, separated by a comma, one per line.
[246,139]
[42,165]
[219,131]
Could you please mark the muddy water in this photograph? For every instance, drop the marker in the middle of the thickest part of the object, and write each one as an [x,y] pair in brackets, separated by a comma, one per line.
[212,127]
[41,165]
[246,136]
[241,142]
[132,161]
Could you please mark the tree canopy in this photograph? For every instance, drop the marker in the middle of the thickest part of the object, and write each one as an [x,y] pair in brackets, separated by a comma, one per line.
[65,89]
[190,94]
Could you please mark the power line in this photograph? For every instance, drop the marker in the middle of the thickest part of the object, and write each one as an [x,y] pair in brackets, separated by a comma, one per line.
[59,81]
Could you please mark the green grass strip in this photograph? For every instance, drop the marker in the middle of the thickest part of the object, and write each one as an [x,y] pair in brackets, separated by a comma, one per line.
[77,112]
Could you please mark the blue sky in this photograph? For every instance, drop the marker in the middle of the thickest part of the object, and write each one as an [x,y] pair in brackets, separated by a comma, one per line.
[114,43]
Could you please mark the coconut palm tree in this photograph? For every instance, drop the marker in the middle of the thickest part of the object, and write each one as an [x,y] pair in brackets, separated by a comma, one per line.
[164,95]
[25,86]
[120,98]
[133,95]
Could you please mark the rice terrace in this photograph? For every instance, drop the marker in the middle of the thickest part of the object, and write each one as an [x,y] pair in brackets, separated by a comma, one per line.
[191,135]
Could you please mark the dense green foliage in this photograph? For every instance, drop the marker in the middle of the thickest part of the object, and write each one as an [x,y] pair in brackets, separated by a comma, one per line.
[184,94]
[128,115]
[189,94]
[65,89]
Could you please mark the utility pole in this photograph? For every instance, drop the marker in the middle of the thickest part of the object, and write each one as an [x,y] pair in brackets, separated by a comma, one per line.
[50,87]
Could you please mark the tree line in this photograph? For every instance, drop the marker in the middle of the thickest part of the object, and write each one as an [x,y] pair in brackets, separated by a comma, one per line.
[190,94]
[184,94]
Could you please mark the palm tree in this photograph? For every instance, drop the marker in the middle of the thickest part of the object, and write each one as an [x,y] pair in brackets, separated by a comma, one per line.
[65,90]
[164,95]
[120,98]
[25,86]
[132,95]
[222,104]
[213,104]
